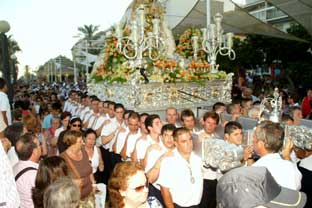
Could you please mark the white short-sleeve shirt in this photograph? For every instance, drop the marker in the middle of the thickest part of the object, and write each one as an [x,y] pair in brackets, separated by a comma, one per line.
[131,142]
[283,171]
[176,174]
[142,146]
[5,106]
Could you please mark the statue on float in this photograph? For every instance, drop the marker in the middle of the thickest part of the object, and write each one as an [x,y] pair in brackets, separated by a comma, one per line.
[141,66]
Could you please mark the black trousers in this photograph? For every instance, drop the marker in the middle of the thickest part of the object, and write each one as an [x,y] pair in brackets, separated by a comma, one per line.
[106,156]
[209,198]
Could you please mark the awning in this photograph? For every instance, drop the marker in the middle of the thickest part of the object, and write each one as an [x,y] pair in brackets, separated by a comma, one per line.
[299,10]
[235,19]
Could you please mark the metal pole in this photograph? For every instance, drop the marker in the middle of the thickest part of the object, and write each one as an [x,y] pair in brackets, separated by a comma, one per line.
[75,69]
[208,12]
[54,71]
[87,68]
[60,69]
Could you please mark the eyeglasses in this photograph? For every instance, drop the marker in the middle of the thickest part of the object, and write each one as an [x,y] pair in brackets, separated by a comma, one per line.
[141,188]
[76,125]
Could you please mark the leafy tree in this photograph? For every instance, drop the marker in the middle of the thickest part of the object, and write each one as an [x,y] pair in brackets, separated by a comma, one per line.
[88,31]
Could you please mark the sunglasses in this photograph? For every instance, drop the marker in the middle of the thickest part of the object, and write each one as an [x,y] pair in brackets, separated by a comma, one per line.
[75,125]
[141,188]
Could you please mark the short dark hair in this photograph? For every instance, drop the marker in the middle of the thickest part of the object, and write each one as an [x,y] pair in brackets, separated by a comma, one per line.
[65,114]
[118,105]
[143,114]
[2,83]
[213,115]
[149,121]
[179,131]
[187,113]
[89,131]
[134,115]
[127,112]
[232,126]
[56,106]
[14,131]
[272,134]
[217,105]
[25,146]
[168,127]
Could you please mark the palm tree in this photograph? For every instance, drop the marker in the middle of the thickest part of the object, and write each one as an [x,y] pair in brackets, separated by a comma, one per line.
[88,31]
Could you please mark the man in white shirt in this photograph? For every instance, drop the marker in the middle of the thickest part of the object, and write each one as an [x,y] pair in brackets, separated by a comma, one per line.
[188,120]
[108,136]
[125,142]
[94,116]
[5,104]
[172,116]
[267,141]
[153,125]
[180,176]
[210,123]
[153,157]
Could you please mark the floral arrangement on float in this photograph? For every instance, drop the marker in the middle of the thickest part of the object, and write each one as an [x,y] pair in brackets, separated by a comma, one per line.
[115,68]
[180,66]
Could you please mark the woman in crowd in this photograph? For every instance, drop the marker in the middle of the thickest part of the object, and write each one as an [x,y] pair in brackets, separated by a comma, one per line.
[49,139]
[62,193]
[127,186]
[65,118]
[30,123]
[75,124]
[50,169]
[77,161]
[94,152]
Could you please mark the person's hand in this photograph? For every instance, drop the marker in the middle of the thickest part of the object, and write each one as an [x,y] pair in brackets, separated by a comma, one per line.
[167,154]
[287,149]
[106,122]
[101,167]
[248,151]
[235,116]
[122,129]
[154,147]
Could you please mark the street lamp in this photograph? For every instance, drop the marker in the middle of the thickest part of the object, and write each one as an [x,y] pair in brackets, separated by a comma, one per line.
[5,27]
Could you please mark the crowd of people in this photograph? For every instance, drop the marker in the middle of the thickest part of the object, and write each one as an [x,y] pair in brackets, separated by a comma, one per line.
[58,142]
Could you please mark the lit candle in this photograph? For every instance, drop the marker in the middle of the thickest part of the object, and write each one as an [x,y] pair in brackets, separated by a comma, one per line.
[212,31]
[134,32]
[156,22]
[141,15]
[195,43]
[204,33]
[218,19]
[118,30]
[230,40]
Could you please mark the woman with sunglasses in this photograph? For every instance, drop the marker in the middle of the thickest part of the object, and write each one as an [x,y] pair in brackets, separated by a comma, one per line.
[128,187]
[74,125]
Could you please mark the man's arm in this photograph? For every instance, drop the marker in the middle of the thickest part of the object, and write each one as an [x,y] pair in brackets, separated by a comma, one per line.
[153,174]
[123,152]
[166,195]
[5,119]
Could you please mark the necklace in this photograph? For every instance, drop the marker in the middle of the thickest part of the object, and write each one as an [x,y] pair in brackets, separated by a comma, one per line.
[191,173]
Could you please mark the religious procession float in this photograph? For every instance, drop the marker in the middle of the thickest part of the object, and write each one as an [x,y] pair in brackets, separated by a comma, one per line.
[145,68]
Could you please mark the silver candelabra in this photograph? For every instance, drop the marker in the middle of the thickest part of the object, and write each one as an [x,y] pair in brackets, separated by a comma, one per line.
[214,42]
[134,46]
